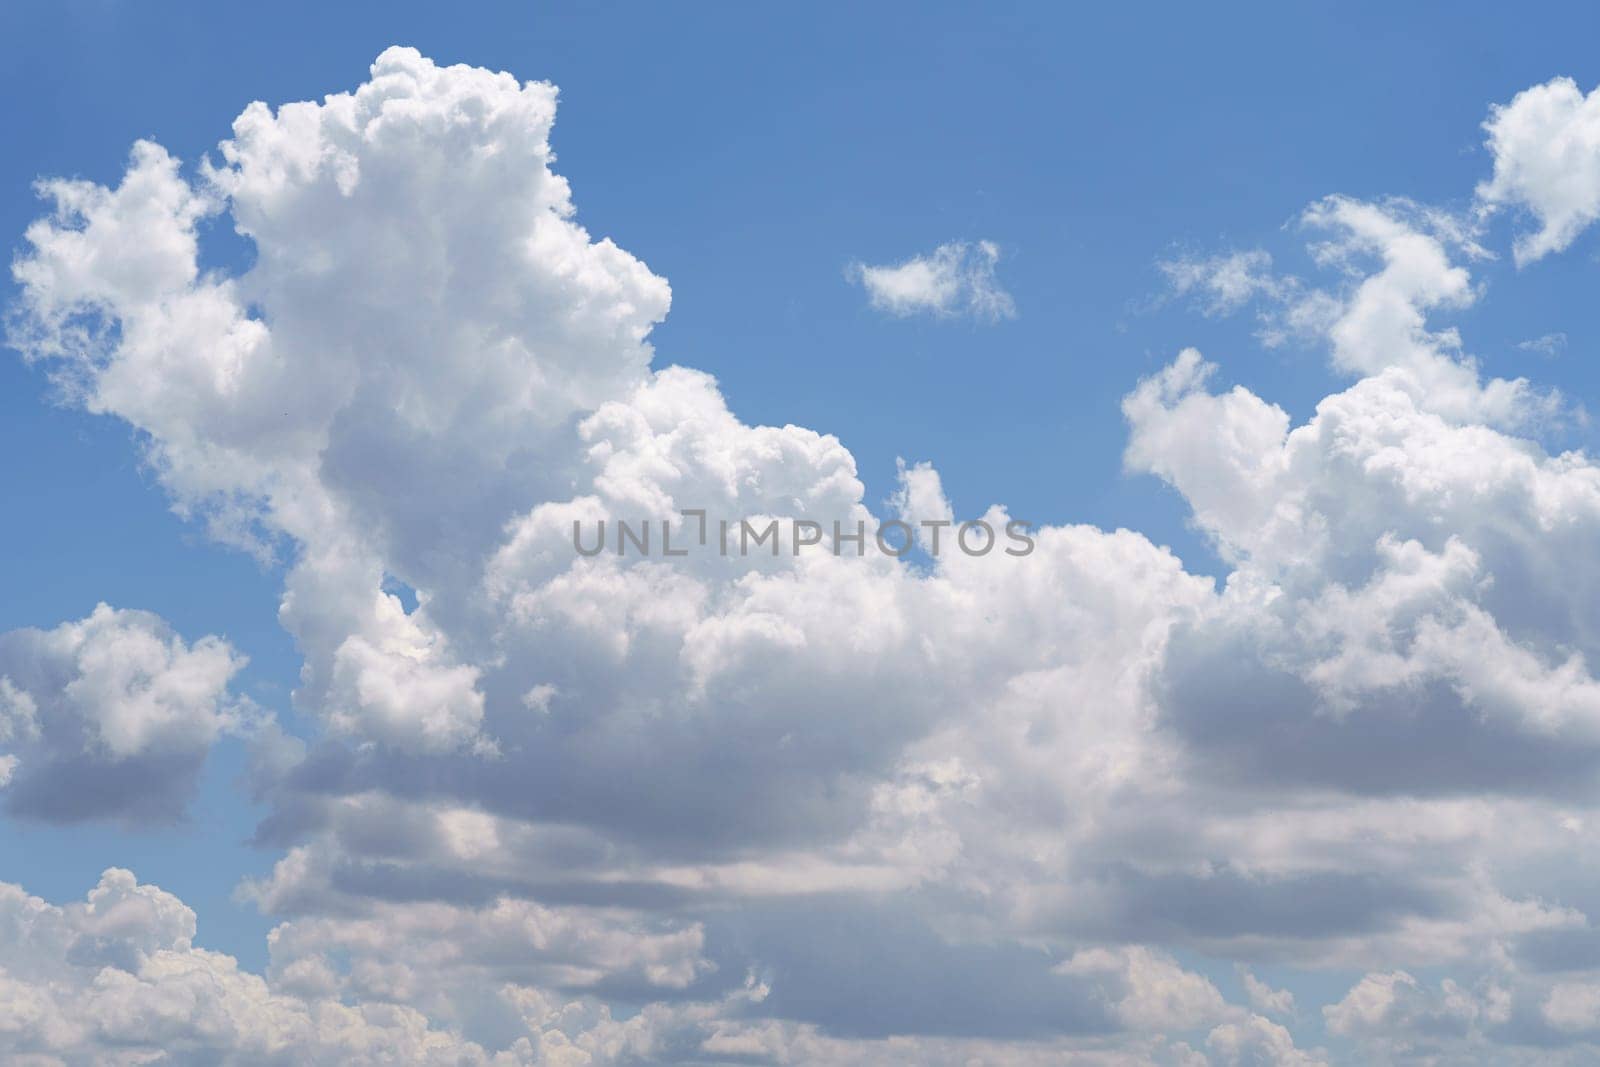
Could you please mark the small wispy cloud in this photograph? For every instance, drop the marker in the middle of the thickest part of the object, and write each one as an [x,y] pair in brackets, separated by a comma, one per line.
[955,279]
[1549,346]
[1224,283]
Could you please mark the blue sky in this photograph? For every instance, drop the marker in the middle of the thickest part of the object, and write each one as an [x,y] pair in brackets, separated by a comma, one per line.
[750,156]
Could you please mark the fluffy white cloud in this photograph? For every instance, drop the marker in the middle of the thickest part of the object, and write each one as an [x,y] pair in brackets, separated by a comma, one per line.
[437,402]
[299,429]
[1546,146]
[1156,993]
[1264,998]
[111,716]
[815,806]
[1258,1042]
[116,979]
[1573,1007]
[1372,536]
[1399,265]
[1396,1016]
[957,278]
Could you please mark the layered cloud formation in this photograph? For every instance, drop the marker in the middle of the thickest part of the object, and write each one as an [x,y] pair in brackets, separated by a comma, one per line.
[800,807]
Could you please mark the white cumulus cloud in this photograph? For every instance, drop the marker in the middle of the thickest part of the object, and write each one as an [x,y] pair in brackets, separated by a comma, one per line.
[1546,146]
[799,807]
[111,716]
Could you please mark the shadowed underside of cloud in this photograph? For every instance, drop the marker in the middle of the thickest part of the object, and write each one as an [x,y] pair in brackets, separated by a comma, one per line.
[791,807]
[111,716]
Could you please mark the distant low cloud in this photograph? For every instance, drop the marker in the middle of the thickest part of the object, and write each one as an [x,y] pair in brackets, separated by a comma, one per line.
[955,279]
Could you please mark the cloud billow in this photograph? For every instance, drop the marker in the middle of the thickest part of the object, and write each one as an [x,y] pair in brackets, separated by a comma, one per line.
[111,717]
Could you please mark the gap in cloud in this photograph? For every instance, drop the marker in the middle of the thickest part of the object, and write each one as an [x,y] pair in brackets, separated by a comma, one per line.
[222,248]
[398,589]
